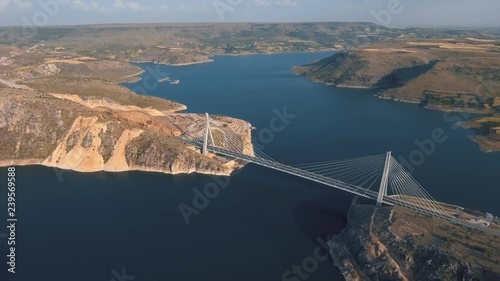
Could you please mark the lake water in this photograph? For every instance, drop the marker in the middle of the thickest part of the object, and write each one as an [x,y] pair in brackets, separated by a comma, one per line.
[76,226]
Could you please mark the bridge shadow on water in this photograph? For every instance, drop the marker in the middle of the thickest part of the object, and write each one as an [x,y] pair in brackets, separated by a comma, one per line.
[323,217]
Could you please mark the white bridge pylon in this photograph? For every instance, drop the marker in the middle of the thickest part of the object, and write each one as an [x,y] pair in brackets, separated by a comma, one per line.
[382,192]
[355,175]
[207,135]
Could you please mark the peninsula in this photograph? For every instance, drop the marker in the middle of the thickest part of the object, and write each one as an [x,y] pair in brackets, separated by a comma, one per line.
[448,75]
[70,112]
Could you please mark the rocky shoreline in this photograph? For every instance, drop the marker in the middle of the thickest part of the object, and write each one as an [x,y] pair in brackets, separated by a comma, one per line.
[386,243]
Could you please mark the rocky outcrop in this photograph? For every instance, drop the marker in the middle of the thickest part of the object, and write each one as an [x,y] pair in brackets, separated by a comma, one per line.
[398,244]
[89,134]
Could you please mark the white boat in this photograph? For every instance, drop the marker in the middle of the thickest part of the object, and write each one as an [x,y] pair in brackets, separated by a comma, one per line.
[175,82]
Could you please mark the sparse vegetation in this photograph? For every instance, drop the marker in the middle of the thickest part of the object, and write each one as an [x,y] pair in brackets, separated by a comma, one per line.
[417,247]
[443,75]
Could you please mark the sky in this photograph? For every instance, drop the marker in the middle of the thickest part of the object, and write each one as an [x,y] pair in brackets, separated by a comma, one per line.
[393,13]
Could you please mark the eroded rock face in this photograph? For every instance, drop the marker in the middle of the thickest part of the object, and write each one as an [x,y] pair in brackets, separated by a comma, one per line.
[51,130]
[396,244]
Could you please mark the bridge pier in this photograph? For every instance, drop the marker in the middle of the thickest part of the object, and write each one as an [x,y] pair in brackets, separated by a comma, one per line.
[385,179]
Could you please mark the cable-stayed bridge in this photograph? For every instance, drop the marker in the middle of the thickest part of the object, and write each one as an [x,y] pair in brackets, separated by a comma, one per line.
[380,177]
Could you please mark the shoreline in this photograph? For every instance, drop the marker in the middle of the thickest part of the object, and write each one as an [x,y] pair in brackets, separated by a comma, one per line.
[246,54]
[25,163]
[136,76]
[189,63]
[212,59]
[479,139]
[174,64]
[353,87]
[277,53]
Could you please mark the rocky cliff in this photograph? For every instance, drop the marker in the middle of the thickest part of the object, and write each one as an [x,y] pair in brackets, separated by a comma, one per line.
[92,130]
[61,109]
[398,244]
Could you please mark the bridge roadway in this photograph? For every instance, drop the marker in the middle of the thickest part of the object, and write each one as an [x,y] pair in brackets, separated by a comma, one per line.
[388,200]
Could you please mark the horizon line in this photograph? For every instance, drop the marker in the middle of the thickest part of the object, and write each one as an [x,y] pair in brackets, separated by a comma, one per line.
[406,26]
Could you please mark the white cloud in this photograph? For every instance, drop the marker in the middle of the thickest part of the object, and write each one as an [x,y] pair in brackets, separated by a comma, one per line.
[267,3]
[3,5]
[261,3]
[96,7]
[22,4]
[135,6]
[79,5]
[91,6]
[195,8]
[288,3]
[120,4]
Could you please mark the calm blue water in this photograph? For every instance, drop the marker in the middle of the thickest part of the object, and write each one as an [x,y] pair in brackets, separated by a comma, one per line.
[263,223]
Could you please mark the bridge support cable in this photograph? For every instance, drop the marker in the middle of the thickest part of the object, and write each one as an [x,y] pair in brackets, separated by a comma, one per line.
[344,166]
[217,136]
[357,176]
[236,144]
[409,190]
[337,162]
[355,172]
[372,184]
[211,137]
[415,189]
[259,153]
[342,169]
[402,198]
[410,193]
